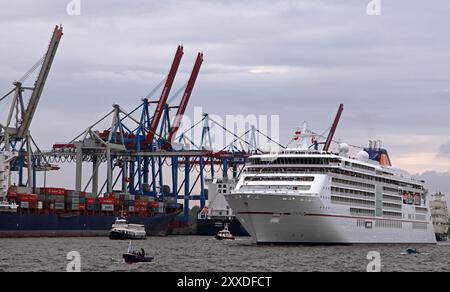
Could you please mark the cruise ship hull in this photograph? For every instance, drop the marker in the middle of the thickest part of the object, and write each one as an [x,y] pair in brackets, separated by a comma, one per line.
[304,219]
[30,225]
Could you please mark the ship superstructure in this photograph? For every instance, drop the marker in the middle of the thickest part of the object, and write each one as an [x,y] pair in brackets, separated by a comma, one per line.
[218,213]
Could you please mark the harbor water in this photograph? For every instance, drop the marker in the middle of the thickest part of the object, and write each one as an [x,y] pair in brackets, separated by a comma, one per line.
[206,254]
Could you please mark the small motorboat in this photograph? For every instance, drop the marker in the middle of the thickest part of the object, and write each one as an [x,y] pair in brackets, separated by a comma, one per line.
[121,230]
[225,234]
[412,251]
[134,257]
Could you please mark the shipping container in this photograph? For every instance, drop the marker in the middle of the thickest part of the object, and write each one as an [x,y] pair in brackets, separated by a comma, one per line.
[93,208]
[82,207]
[90,201]
[130,197]
[131,209]
[40,205]
[170,199]
[73,200]
[26,197]
[91,195]
[24,205]
[53,191]
[141,204]
[107,201]
[60,206]
[107,207]
[23,190]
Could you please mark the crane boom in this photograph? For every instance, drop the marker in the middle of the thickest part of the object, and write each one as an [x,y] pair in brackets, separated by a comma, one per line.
[333,128]
[164,95]
[186,96]
[40,82]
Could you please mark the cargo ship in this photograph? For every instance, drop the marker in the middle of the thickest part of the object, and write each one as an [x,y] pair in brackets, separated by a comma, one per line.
[57,212]
[218,214]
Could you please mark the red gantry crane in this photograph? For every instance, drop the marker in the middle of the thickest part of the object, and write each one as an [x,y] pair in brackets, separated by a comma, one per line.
[164,96]
[185,100]
[327,146]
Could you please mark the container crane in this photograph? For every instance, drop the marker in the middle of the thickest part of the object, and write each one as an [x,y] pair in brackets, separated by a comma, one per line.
[185,100]
[40,82]
[330,137]
[15,134]
[164,96]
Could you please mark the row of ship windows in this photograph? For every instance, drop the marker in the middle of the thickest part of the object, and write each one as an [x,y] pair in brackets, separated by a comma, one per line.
[392,214]
[360,166]
[422,226]
[388,224]
[276,187]
[223,189]
[350,201]
[273,178]
[393,206]
[375,178]
[362,212]
[292,160]
[392,198]
[353,183]
[379,224]
[337,190]
[345,173]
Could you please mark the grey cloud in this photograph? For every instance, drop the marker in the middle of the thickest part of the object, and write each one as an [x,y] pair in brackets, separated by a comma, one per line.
[444,150]
[436,181]
[392,71]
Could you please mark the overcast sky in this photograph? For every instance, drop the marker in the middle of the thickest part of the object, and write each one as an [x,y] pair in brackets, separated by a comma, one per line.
[297,59]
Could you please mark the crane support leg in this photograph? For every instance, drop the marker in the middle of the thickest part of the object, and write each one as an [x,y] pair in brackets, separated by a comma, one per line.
[79,168]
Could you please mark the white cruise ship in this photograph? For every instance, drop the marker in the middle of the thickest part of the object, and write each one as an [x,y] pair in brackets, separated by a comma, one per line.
[315,197]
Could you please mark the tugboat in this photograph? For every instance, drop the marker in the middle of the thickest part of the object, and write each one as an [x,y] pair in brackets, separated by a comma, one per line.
[133,257]
[122,230]
[225,234]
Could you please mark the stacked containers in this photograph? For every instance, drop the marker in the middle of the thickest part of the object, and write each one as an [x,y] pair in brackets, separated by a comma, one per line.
[107,204]
[92,205]
[27,202]
[160,207]
[82,205]
[73,201]
[129,205]
[55,197]
[171,202]
[140,207]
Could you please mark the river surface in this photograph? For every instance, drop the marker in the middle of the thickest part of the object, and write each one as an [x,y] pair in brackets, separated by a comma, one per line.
[206,254]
